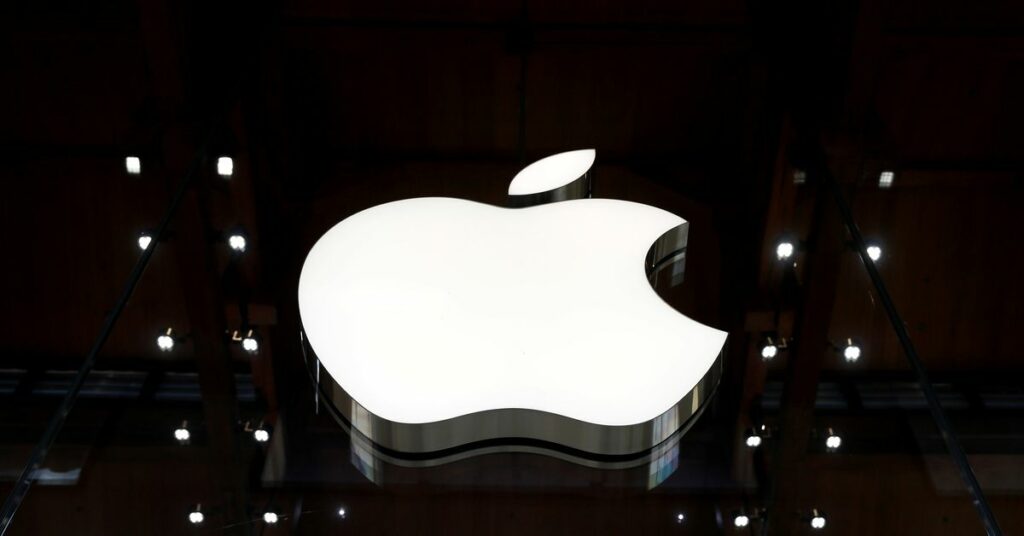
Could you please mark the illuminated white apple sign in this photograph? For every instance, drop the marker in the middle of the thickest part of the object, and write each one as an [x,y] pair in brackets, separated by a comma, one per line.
[460,322]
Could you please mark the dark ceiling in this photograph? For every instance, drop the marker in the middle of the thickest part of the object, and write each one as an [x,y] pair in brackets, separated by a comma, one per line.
[705,109]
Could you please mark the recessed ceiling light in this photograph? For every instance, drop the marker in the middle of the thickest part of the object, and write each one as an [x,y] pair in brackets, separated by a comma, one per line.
[133,165]
[885,179]
[225,166]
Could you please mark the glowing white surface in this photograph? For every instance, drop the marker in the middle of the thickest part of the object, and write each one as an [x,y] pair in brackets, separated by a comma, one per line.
[144,241]
[237,242]
[225,166]
[427,309]
[196,517]
[851,352]
[818,522]
[552,172]
[133,165]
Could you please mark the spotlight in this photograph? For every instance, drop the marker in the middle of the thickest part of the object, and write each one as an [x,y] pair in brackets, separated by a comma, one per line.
[817,519]
[133,165]
[851,352]
[740,520]
[784,250]
[874,252]
[225,166]
[342,512]
[165,341]
[145,239]
[261,435]
[237,242]
[885,179]
[181,433]
[832,440]
[250,343]
[269,518]
[753,439]
[771,348]
[196,516]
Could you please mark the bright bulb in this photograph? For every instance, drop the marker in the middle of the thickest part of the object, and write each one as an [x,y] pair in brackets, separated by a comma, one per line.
[784,250]
[753,441]
[769,351]
[144,241]
[833,442]
[269,518]
[875,252]
[237,242]
[885,179]
[818,522]
[225,166]
[133,165]
[165,342]
[250,344]
[741,521]
[680,518]
[341,512]
[261,435]
[196,517]
[182,434]
[851,352]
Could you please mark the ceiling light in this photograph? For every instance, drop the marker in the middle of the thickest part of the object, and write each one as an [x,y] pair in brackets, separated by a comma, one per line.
[784,250]
[196,517]
[133,165]
[250,343]
[145,239]
[165,341]
[740,520]
[769,351]
[237,242]
[680,517]
[817,520]
[341,512]
[885,179]
[269,518]
[182,434]
[833,441]
[753,439]
[261,435]
[225,166]
[851,352]
[874,252]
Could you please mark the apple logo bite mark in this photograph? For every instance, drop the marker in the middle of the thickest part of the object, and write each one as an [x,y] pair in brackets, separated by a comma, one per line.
[445,323]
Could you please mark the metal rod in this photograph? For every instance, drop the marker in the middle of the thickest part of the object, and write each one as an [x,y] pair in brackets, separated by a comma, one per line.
[956,452]
[53,428]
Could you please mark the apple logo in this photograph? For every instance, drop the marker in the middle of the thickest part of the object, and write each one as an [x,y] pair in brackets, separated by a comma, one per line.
[446,324]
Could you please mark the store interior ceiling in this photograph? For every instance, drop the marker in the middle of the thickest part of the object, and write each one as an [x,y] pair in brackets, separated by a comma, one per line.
[707,109]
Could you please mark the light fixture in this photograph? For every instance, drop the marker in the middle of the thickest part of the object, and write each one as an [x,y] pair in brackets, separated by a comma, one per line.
[261,435]
[269,518]
[885,179]
[196,516]
[799,176]
[165,340]
[771,347]
[225,166]
[833,441]
[145,239]
[851,351]
[784,250]
[753,439]
[680,517]
[740,520]
[817,519]
[874,252]
[250,343]
[133,165]
[342,513]
[237,242]
[181,433]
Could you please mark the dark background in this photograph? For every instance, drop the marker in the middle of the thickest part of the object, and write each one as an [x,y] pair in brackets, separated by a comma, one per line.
[708,109]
